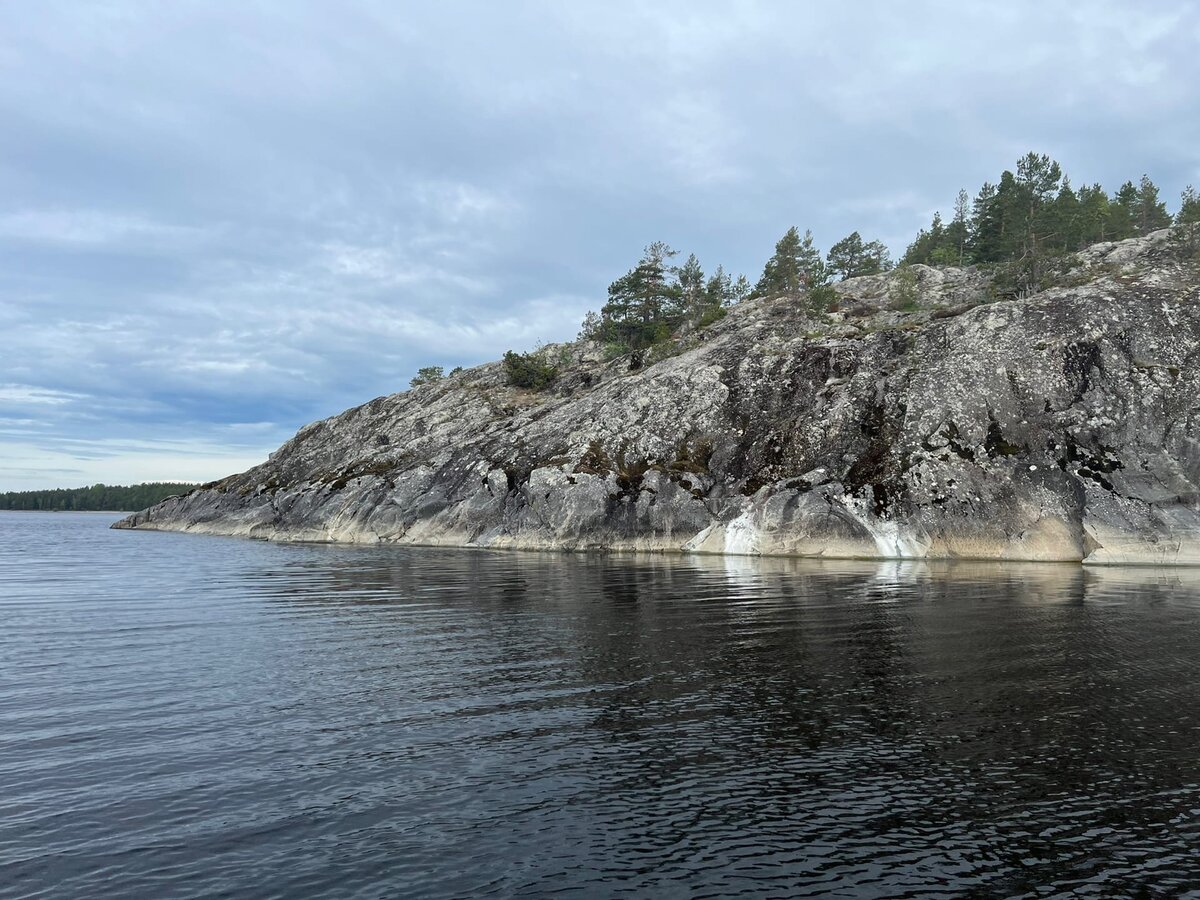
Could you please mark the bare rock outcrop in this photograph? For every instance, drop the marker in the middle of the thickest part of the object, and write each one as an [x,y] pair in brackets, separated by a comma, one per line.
[923,419]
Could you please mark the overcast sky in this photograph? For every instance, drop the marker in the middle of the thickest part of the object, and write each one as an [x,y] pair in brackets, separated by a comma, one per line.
[222,220]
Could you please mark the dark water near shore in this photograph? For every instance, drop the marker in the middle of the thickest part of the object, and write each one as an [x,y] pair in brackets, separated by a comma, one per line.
[193,716]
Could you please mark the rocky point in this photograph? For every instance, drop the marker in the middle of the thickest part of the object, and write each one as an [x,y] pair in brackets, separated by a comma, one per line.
[924,418]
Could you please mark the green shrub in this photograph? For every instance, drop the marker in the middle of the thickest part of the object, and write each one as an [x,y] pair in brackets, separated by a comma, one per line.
[822,298]
[529,370]
[616,349]
[427,375]
[905,295]
[592,328]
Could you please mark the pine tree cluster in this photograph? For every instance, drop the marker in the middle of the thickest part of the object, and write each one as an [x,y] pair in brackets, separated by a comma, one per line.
[1019,227]
[655,299]
[1030,217]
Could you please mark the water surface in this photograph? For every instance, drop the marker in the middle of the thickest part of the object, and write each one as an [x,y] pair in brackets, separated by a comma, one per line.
[194,716]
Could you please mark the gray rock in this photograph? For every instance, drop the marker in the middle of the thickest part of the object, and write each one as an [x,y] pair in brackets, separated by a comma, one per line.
[1059,427]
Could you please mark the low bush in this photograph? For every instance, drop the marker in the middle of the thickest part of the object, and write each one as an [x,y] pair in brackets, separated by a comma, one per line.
[529,370]
[427,375]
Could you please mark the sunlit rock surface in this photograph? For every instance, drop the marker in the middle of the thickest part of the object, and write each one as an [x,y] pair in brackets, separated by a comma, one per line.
[1058,427]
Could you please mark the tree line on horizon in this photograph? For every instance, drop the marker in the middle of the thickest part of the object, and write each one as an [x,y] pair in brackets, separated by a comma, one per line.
[96,498]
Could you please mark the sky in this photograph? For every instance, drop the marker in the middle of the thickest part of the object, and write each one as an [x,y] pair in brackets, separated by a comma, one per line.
[222,220]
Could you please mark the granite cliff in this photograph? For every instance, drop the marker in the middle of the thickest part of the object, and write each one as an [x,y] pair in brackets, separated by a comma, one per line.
[920,420]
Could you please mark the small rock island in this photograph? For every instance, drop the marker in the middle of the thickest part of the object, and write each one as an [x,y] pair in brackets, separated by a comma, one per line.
[914,413]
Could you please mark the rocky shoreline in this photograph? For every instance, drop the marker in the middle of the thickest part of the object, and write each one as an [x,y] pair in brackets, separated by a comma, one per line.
[1064,426]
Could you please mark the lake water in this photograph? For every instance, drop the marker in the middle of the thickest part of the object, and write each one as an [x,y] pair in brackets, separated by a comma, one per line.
[195,716]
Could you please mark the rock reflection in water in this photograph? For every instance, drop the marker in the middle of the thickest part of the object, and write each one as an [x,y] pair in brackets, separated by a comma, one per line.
[830,723]
[337,721]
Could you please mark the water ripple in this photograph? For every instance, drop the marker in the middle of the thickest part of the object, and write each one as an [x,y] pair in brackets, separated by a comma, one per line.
[192,716]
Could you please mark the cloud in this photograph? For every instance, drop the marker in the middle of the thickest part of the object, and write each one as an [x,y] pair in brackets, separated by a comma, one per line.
[390,267]
[87,227]
[28,395]
[214,214]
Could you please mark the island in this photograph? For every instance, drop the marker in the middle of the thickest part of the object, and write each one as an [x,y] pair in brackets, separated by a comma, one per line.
[916,416]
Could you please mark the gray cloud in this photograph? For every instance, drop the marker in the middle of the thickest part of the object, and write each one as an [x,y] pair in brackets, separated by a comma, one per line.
[220,221]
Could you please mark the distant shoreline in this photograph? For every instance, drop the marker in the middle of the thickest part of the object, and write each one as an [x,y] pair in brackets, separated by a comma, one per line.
[90,512]
[94,498]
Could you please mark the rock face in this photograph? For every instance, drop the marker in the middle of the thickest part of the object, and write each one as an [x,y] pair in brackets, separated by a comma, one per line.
[925,419]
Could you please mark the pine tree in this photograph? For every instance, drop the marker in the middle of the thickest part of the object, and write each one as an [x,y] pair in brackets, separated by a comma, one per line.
[847,257]
[1095,216]
[879,255]
[741,289]
[986,224]
[1150,214]
[1123,213]
[1037,182]
[1028,216]
[850,257]
[690,278]
[719,289]
[1186,236]
[427,375]
[813,273]
[1064,216]
[795,267]
[592,327]
[641,302]
[929,244]
[957,232]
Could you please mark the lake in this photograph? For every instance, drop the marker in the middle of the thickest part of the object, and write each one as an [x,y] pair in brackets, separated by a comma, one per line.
[196,716]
